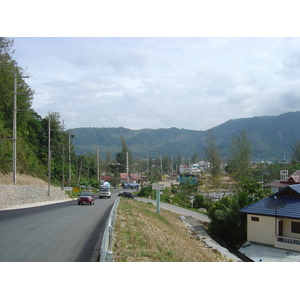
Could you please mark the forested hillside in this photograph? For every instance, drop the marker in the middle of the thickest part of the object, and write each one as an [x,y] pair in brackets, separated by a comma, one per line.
[31,129]
[271,137]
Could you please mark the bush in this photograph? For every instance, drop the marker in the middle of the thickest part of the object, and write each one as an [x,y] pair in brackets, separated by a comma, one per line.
[227,222]
[201,202]
[166,195]
[145,191]
[182,198]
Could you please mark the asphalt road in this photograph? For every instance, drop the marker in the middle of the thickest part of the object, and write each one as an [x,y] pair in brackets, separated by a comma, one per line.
[64,232]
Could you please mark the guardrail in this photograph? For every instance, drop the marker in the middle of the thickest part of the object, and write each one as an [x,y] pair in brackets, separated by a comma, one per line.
[106,246]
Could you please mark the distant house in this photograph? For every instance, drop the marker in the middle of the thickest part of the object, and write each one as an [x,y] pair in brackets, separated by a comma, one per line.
[280,184]
[275,220]
[132,178]
[106,178]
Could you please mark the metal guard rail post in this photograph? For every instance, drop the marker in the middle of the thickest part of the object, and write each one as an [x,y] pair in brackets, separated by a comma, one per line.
[106,246]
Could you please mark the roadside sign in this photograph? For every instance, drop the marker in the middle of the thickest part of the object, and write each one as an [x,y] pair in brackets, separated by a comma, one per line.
[68,189]
[158,186]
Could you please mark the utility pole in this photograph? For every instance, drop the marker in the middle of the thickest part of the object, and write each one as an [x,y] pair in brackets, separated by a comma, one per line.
[69,159]
[49,155]
[147,167]
[127,166]
[98,164]
[172,169]
[14,139]
[63,158]
[161,168]
[79,170]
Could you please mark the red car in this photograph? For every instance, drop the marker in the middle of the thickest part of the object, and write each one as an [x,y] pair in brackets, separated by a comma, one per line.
[86,197]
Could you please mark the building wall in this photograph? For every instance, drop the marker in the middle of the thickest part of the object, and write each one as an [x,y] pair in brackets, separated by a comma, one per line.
[261,231]
[286,243]
[287,228]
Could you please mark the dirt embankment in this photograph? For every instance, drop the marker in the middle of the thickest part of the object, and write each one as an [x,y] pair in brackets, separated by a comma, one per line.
[22,179]
[27,190]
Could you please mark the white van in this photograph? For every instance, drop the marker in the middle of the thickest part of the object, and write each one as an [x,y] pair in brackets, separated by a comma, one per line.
[104,191]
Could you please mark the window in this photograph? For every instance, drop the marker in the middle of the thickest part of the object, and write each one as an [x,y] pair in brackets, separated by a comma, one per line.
[296,227]
[255,219]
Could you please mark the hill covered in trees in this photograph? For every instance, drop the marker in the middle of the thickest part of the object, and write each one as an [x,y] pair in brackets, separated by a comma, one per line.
[271,138]
[31,129]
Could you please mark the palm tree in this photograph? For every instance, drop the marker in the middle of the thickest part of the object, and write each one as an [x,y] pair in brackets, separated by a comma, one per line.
[227,222]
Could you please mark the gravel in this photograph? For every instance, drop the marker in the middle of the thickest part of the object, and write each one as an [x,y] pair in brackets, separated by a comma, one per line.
[27,190]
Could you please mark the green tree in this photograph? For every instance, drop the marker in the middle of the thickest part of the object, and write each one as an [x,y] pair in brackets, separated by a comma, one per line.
[166,164]
[227,222]
[27,119]
[296,152]
[121,157]
[213,157]
[32,130]
[195,158]
[240,156]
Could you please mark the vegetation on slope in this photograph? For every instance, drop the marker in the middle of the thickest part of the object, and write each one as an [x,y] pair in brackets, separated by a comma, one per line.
[142,235]
[31,130]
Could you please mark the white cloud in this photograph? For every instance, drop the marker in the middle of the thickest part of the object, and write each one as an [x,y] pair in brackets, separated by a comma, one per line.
[193,83]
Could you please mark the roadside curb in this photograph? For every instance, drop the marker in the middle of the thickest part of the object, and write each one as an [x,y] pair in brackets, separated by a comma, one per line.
[36,204]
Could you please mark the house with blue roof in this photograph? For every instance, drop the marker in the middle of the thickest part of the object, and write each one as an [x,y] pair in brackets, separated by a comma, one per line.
[275,220]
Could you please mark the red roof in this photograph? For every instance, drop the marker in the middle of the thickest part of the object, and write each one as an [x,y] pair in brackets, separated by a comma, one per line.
[132,177]
[294,179]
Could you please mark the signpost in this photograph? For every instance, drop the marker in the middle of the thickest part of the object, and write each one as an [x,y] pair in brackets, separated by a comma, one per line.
[68,189]
[157,187]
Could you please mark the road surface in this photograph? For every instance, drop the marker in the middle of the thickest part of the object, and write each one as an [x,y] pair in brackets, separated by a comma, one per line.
[64,232]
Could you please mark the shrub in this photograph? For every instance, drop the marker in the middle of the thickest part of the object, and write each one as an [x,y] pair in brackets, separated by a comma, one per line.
[201,202]
[145,191]
[166,195]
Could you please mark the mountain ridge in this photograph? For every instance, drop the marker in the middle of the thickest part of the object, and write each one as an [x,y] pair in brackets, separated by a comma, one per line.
[271,137]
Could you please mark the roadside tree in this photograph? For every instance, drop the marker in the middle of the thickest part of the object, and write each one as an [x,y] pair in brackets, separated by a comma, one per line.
[213,157]
[240,157]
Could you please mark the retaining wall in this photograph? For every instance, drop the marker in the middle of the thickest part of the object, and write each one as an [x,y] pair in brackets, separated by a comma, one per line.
[11,195]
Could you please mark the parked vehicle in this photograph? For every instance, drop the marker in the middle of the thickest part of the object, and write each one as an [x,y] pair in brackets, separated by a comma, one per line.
[86,197]
[126,195]
[104,191]
[130,185]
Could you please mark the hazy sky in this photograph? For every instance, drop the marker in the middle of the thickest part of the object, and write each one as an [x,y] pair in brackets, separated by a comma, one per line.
[192,83]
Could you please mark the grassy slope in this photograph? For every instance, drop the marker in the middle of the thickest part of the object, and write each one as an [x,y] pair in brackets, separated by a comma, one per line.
[142,235]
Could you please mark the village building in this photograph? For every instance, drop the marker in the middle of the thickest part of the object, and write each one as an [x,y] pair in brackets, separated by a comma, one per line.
[275,220]
[277,185]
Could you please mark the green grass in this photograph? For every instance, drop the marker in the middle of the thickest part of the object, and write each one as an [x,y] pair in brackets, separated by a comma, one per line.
[140,234]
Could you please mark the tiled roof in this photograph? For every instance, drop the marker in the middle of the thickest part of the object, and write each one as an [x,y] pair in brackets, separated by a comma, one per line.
[293,179]
[106,178]
[277,183]
[289,198]
[123,175]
